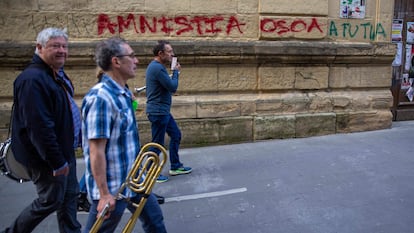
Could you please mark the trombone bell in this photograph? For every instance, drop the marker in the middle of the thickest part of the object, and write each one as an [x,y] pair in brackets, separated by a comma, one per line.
[141,179]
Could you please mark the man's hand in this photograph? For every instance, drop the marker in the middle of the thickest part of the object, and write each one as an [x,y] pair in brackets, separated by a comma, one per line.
[106,200]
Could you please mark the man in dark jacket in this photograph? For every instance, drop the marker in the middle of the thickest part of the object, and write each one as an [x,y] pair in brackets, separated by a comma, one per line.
[45,130]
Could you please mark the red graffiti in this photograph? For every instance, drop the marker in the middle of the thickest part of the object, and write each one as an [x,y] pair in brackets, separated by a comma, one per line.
[144,24]
[281,26]
[105,23]
[202,25]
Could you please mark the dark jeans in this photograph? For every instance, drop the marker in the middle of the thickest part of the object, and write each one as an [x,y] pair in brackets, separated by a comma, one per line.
[54,194]
[82,184]
[161,124]
[151,216]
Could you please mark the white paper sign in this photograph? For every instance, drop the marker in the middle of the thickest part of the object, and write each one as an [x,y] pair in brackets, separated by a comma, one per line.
[173,63]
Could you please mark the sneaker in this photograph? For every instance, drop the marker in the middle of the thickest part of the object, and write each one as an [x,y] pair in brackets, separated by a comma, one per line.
[162,179]
[83,203]
[180,171]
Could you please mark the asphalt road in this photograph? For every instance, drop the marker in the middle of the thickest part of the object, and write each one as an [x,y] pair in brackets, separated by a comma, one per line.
[343,183]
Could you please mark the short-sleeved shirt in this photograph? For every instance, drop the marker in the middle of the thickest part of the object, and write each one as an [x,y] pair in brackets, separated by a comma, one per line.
[107,114]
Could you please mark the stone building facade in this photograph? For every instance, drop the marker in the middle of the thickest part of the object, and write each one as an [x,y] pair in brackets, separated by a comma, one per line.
[251,69]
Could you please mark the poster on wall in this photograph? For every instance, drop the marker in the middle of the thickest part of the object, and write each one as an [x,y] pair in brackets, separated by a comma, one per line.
[353,9]
[406,80]
[396,31]
[398,55]
[410,32]
[408,54]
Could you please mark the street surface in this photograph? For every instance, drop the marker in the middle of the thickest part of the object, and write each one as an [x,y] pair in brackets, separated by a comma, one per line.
[343,183]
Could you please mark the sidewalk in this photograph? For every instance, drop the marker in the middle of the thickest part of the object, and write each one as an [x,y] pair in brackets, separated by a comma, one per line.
[343,183]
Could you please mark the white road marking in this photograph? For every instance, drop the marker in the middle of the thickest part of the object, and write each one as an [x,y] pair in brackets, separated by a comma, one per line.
[205,195]
[194,196]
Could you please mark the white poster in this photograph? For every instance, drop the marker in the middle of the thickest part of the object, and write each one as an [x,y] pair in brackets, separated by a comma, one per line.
[396,31]
[407,81]
[410,32]
[398,55]
[354,9]
[408,54]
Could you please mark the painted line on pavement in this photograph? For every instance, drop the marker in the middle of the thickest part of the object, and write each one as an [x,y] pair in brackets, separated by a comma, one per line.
[205,195]
[193,197]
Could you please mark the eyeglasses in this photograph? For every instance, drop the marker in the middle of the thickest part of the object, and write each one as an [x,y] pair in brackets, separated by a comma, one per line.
[132,55]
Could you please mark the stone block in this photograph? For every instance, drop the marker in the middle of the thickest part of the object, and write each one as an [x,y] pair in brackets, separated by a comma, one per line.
[13,22]
[144,130]
[360,77]
[319,102]
[248,105]
[292,7]
[78,24]
[199,132]
[311,77]
[6,82]
[341,101]
[269,105]
[167,6]
[274,127]
[295,103]
[361,100]
[198,79]
[237,77]
[292,103]
[4,134]
[250,7]
[140,114]
[5,114]
[184,110]
[203,132]
[308,125]
[83,79]
[218,109]
[19,5]
[348,122]
[276,78]
[213,7]
[235,130]
[380,100]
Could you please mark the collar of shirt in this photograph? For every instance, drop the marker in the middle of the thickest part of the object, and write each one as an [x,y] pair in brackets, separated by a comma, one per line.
[115,86]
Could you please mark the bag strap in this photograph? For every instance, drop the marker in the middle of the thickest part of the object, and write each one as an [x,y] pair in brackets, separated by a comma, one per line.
[11,120]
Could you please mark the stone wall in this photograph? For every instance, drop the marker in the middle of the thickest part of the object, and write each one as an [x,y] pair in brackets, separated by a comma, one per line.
[251,70]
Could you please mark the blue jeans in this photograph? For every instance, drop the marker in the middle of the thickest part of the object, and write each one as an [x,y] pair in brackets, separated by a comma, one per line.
[151,216]
[82,184]
[161,124]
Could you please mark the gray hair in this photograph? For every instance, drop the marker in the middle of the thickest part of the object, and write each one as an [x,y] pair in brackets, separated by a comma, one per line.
[48,33]
[106,50]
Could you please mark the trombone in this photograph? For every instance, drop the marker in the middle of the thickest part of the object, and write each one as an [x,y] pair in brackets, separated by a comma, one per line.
[141,178]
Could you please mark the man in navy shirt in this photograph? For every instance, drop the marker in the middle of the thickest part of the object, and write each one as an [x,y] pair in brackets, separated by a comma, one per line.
[160,87]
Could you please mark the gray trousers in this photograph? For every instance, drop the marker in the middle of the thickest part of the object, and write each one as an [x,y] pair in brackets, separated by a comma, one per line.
[54,194]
